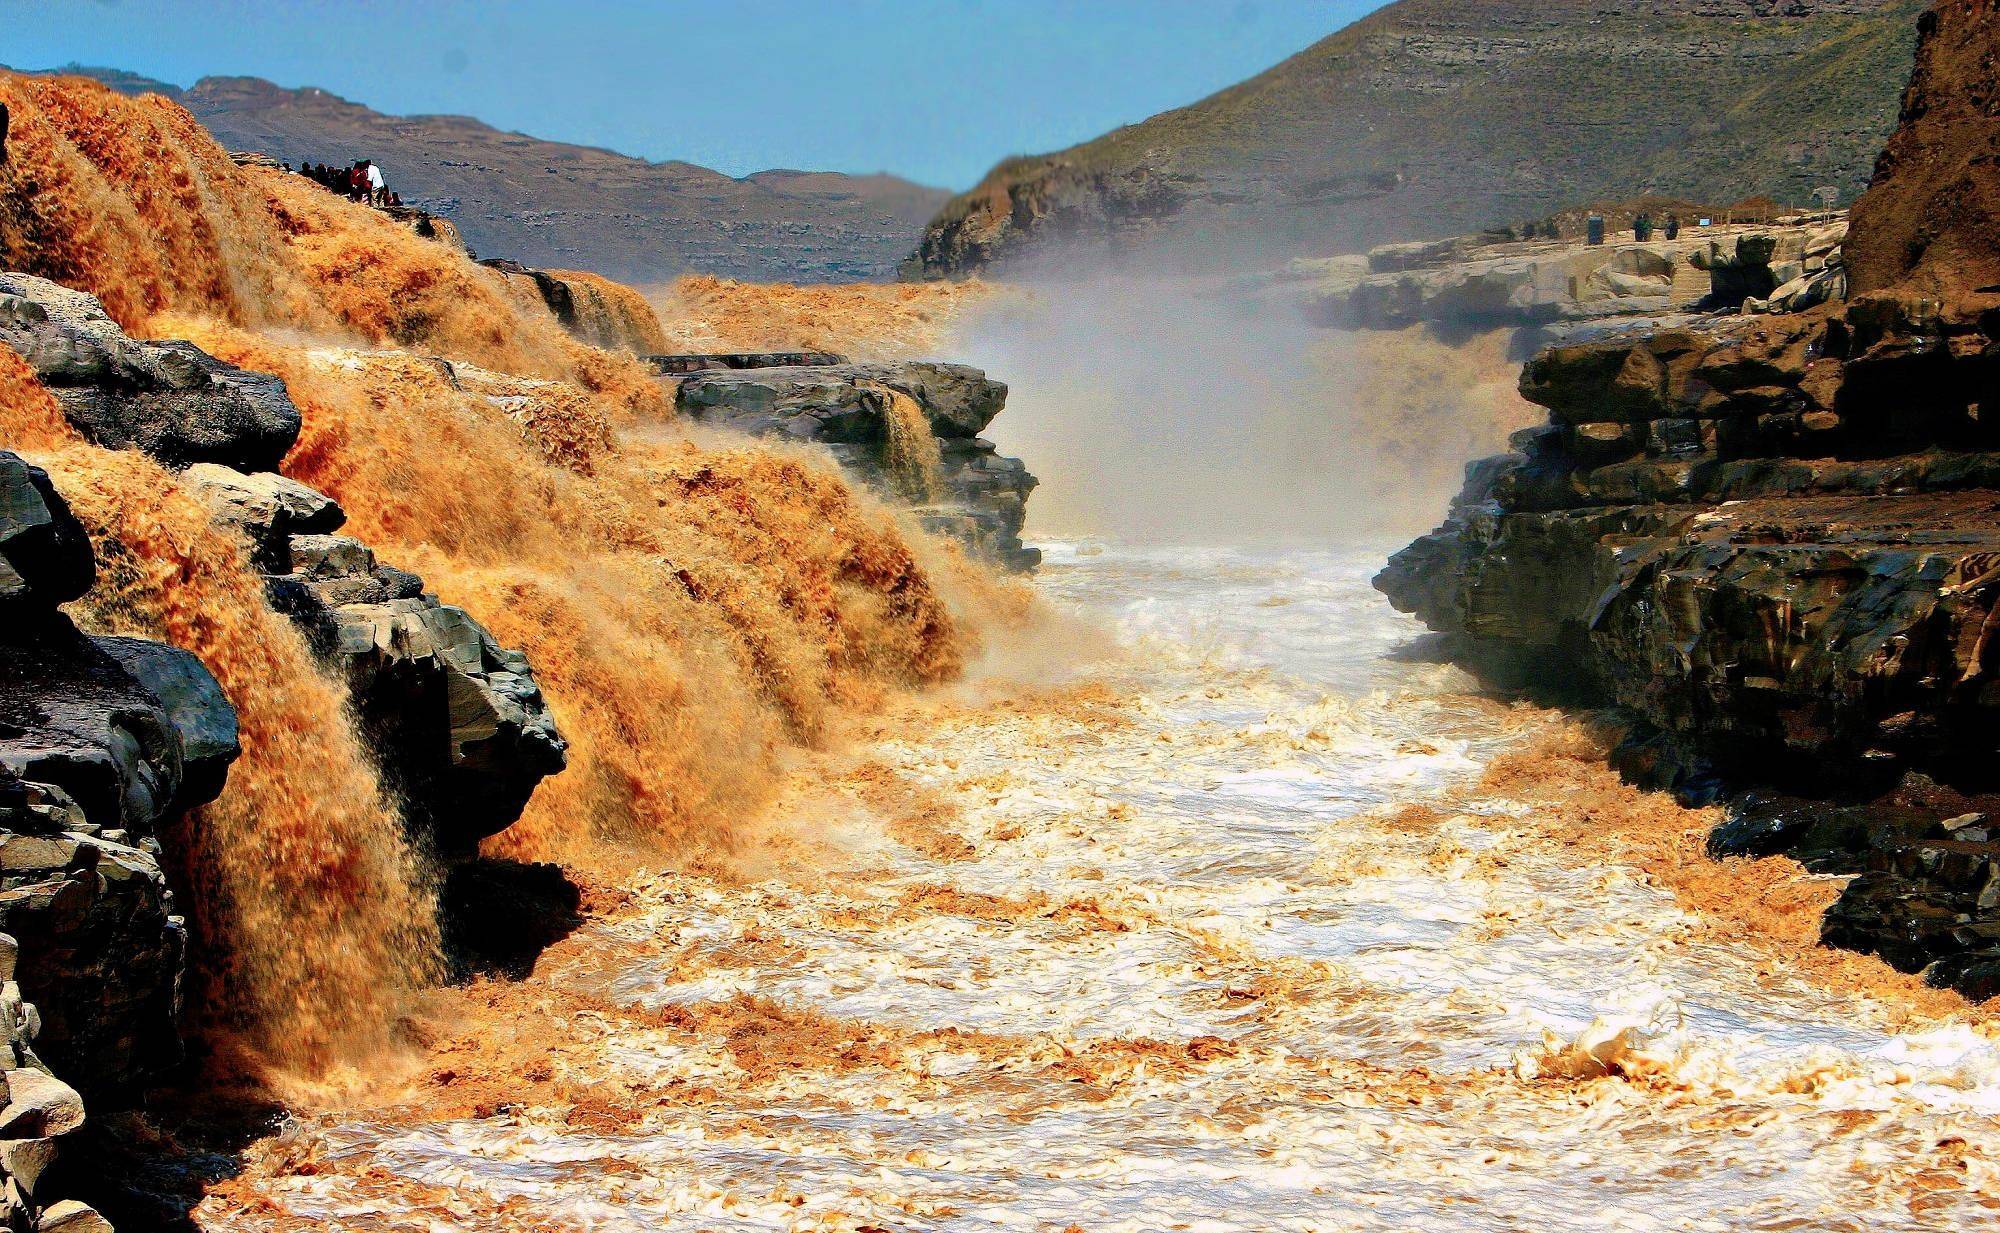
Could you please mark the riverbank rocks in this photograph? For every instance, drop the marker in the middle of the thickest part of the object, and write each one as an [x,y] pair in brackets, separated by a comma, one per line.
[460,726]
[102,741]
[36,1111]
[170,399]
[45,556]
[1480,283]
[1774,543]
[457,723]
[976,495]
[1771,542]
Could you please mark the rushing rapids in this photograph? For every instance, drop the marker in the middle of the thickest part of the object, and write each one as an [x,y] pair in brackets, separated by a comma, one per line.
[1248,923]
[697,608]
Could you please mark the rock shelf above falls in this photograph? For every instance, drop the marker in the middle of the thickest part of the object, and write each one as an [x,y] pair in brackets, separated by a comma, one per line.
[980,496]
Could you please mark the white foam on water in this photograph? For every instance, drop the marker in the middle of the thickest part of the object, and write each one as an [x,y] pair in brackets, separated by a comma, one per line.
[1402,1023]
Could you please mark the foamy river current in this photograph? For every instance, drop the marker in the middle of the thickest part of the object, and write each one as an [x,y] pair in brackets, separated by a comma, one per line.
[1162,946]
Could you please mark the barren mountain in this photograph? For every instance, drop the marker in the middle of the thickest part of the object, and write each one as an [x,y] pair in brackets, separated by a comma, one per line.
[547,203]
[1432,117]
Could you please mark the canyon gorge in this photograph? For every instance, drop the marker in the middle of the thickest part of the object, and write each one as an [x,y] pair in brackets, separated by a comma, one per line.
[484,746]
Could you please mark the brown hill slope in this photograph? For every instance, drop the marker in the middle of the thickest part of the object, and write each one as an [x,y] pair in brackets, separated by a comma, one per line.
[1927,222]
[547,203]
[1438,116]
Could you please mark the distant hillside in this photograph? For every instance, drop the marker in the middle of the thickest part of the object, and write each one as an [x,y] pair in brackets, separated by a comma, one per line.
[549,204]
[1434,117]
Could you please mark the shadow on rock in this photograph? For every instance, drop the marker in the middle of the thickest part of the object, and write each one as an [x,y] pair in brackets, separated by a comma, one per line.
[500,915]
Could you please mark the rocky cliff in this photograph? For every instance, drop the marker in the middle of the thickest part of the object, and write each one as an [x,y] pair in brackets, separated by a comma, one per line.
[461,728]
[1473,282]
[102,742]
[1772,543]
[910,430]
[1431,117]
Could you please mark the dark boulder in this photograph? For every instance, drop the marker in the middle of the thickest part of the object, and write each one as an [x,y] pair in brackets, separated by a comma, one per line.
[461,728]
[195,706]
[71,715]
[45,556]
[169,399]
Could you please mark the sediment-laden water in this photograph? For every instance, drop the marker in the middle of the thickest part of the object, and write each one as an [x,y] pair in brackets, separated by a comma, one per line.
[1217,933]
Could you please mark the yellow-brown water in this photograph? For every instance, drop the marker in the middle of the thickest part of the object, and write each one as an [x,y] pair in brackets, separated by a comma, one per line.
[912,454]
[695,612]
[318,920]
[1239,928]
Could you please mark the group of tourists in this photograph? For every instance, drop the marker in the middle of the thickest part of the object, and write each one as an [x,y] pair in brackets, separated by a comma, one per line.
[362,182]
[1642,227]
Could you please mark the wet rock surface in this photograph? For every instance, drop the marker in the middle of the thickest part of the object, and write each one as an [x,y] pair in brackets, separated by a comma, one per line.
[103,741]
[980,496]
[464,731]
[169,399]
[460,728]
[45,556]
[1775,543]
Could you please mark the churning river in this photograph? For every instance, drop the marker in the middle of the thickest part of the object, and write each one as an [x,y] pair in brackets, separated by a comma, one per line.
[1226,931]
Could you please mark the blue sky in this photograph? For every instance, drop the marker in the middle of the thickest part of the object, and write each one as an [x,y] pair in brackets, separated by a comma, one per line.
[935,91]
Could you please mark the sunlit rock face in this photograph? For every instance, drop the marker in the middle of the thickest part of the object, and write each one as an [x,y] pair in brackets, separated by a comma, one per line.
[166,398]
[1773,541]
[910,429]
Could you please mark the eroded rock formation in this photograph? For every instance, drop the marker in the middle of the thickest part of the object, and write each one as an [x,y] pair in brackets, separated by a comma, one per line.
[1471,281]
[968,490]
[102,741]
[167,398]
[459,726]
[1773,541]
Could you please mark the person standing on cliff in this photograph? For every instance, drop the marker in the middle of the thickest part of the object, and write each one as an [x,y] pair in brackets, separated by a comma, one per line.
[378,192]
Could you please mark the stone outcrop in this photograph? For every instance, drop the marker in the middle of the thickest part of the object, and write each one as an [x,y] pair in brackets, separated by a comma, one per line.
[45,556]
[976,494]
[39,1110]
[461,728]
[102,740]
[1473,281]
[167,398]
[1774,542]
[457,722]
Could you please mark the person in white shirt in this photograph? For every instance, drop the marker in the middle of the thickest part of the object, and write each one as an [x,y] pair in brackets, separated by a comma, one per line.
[378,193]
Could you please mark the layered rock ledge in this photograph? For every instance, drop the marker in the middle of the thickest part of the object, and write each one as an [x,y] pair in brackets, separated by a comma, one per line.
[102,740]
[1775,544]
[971,493]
